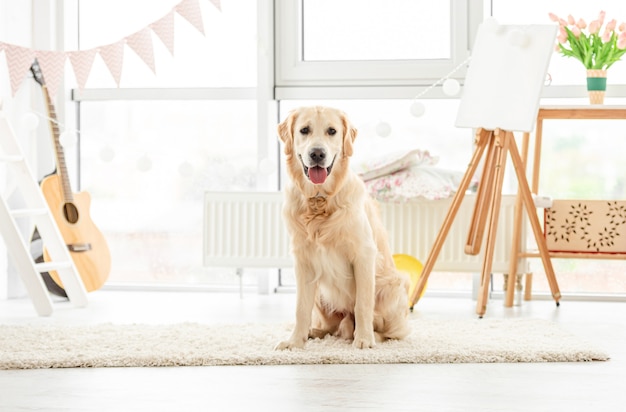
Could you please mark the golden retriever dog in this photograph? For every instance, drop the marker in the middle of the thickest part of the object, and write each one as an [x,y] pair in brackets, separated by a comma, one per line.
[346,281]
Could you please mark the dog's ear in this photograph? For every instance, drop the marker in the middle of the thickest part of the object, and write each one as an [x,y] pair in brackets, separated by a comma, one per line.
[285,132]
[348,137]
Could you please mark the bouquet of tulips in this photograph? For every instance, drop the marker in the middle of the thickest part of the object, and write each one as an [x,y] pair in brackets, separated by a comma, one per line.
[596,47]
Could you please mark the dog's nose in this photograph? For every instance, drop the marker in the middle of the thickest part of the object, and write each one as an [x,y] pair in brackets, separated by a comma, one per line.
[317,155]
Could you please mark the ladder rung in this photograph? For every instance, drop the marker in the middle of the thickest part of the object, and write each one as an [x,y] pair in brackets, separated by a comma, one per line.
[11,158]
[48,266]
[29,212]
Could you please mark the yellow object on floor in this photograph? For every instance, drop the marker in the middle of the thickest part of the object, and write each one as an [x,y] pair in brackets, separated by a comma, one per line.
[412,267]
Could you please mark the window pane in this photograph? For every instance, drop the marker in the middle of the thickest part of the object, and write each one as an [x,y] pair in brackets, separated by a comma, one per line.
[336,30]
[147,166]
[583,159]
[224,57]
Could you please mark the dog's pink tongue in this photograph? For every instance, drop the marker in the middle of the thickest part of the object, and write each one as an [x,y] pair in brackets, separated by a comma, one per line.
[317,175]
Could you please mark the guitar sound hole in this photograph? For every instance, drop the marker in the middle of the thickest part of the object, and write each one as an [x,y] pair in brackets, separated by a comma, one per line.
[71,212]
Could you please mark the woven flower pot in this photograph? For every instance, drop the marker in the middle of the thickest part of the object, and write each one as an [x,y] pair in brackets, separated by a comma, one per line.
[596,86]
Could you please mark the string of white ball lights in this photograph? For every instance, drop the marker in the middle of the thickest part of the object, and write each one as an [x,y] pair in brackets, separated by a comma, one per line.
[516,37]
[449,86]
[68,138]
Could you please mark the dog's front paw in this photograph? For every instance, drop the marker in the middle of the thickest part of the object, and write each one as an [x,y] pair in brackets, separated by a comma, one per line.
[364,341]
[290,344]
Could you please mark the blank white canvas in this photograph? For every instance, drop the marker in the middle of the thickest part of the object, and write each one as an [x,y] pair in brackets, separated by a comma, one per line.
[505,77]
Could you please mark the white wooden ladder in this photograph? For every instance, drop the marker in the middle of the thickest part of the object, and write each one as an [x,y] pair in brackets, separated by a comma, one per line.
[36,209]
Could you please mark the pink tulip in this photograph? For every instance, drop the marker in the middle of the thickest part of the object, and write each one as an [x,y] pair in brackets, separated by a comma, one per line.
[571,20]
[594,27]
[606,36]
[601,17]
[610,26]
[581,24]
[553,17]
[562,37]
[575,31]
[621,43]
[622,27]
[557,48]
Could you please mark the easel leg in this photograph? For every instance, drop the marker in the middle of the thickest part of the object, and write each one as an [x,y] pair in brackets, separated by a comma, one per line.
[483,199]
[534,222]
[517,232]
[501,144]
[482,138]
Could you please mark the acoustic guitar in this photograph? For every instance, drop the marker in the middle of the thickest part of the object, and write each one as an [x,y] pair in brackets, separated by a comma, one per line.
[87,245]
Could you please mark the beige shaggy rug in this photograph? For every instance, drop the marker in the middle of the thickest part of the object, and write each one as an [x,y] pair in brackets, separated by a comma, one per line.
[191,344]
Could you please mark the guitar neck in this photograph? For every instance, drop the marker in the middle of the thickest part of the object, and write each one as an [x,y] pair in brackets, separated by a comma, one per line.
[58,149]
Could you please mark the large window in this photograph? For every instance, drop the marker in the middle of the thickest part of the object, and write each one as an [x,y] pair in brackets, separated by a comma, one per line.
[151,148]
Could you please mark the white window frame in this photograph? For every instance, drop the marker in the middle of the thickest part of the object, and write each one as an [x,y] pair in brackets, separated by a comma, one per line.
[291,71]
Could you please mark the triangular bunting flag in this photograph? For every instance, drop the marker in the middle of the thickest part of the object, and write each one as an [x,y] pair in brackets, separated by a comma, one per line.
[217,4]
[19,60]
[190,11]
[82,61]
[52,65]
[141,43]
[164,29]
[113,56]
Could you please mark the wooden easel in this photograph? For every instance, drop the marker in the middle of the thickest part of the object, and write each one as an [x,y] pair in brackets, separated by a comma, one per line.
[486,212]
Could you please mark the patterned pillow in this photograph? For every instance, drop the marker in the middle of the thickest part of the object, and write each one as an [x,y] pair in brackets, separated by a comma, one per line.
[414,183]
[393,162]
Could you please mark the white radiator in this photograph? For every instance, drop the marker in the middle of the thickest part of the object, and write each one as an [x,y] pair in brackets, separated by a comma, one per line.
[246,230]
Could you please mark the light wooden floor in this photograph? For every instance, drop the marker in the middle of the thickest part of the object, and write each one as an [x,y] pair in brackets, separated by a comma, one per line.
[597,386]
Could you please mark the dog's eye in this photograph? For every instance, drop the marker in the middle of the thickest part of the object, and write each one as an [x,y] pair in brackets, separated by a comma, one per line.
[304,130]
[331,131]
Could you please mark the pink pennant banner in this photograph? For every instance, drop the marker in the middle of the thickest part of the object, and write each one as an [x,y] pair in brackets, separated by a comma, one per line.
[190,11]
[141,43]
[164,29]
[19,59]
[53,68]
[82,61]
[113,56]
[217,4]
